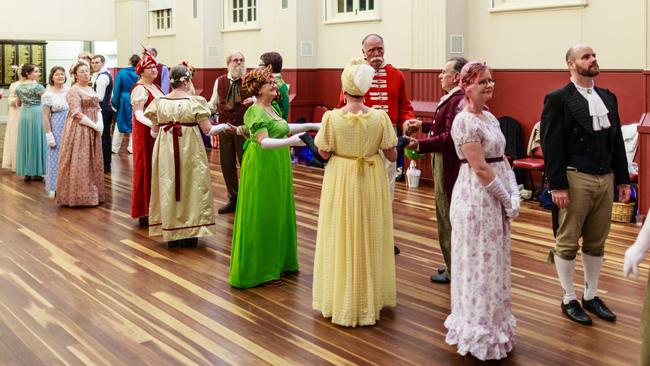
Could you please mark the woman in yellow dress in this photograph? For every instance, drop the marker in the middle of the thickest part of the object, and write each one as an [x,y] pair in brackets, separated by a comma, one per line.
[180,207]
[354,265]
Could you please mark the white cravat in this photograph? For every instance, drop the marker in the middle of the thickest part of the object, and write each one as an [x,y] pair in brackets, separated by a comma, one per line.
[449,94]
[597,109]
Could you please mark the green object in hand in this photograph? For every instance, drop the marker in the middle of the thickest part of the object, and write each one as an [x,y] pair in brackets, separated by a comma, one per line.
[412,154]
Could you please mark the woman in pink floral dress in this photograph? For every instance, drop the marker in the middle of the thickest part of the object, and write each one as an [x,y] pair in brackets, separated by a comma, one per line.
[484,200]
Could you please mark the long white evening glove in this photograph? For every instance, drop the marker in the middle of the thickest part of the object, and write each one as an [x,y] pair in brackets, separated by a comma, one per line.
[515,198]
[49,137]
[242,131]
[100,123]
[271,143]
[88,122]
[218,128]
[140,117]
[303,127]
[637,252]
[498,190]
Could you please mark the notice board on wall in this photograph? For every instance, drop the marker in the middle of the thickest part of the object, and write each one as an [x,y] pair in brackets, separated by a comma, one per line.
[14,53]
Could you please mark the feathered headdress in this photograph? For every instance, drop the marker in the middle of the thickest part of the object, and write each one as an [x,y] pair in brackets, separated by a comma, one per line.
[145,62]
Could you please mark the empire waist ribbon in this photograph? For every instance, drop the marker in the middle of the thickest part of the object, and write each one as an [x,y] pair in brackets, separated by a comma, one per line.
[175,129]
[361,160]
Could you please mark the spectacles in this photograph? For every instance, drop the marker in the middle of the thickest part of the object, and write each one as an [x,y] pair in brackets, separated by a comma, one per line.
[237,60]
[486,82]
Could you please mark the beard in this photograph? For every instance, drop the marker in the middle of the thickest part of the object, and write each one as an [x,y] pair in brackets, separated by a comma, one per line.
[590,71]
[237,71]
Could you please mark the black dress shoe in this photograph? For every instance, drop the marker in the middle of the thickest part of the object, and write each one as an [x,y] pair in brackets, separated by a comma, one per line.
[440,278]
[397,251]
[598,307]
[189,242]
[143,221]
[442,270]
[574,311]
[400,178]
[173,244]
[229,207]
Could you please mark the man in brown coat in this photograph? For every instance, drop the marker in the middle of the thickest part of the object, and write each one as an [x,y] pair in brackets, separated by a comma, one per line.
[230,101]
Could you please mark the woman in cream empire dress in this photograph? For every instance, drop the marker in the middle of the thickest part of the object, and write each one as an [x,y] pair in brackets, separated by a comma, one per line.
[11,132]
[354,264]
[181,204]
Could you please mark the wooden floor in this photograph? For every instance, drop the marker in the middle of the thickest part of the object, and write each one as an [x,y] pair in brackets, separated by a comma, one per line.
[88,286]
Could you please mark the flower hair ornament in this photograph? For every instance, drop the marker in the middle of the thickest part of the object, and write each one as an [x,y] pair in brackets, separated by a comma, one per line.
[186,76]
[74,66]
[189,67]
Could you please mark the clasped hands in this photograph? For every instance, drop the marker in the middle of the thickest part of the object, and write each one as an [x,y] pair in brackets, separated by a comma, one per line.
[410,127]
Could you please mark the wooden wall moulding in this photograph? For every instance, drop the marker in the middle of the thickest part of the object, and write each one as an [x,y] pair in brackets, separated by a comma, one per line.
[14,53]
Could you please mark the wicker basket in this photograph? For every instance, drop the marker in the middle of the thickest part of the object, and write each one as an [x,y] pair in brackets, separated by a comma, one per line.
[622,212]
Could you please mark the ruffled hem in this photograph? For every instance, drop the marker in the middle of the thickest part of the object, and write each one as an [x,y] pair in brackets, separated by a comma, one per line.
[481,342]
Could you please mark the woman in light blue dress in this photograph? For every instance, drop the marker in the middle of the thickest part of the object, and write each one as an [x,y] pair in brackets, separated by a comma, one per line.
[30,149]
[55,112]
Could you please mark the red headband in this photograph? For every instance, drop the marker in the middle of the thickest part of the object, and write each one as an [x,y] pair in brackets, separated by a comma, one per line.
[145,62]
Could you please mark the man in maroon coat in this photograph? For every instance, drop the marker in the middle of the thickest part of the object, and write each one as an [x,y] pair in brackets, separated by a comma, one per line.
[445,159]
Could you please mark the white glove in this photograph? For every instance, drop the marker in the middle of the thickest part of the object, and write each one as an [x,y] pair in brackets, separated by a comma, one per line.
[139,115]
[153,133]
[218,129]
[515,197]
[633,256]
[88,122]
[303,127]
[271,143]
[496,188]
[242,130]
[515,204]
[637,252]
[100,123]
[49,137]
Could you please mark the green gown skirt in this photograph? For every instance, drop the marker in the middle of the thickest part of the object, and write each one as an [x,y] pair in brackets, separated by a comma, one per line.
[264,242]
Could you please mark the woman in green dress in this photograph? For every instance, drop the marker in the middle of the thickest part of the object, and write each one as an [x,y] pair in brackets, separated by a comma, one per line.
[264,242]
[30,151]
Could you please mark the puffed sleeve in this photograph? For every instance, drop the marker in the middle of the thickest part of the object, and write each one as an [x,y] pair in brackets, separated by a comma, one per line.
[388,138]
[74,103]
[465,129]
[38,89]
[200,108]
[139,95]
[46,100]
[325,137]
[152,110]
[256,120]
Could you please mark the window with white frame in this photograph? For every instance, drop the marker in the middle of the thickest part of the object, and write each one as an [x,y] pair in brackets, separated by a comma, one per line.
[161,18]
[240,14]
[351,10]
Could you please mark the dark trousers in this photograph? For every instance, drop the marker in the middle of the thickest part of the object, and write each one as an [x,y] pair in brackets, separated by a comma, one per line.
[231,150]
[107,116]
[400,150]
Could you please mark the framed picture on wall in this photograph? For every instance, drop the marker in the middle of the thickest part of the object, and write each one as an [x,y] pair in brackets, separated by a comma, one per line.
[14,53]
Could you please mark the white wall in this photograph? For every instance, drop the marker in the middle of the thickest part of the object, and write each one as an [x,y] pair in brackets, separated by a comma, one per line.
[57,19]
[538,39]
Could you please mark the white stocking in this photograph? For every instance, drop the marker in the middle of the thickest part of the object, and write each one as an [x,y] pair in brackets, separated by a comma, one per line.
[592,272]
[565,269]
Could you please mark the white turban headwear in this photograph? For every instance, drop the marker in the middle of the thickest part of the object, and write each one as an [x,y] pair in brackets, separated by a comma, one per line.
[356,78]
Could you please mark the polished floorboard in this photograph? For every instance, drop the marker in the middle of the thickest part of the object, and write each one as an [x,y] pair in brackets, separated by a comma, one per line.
[87,286]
